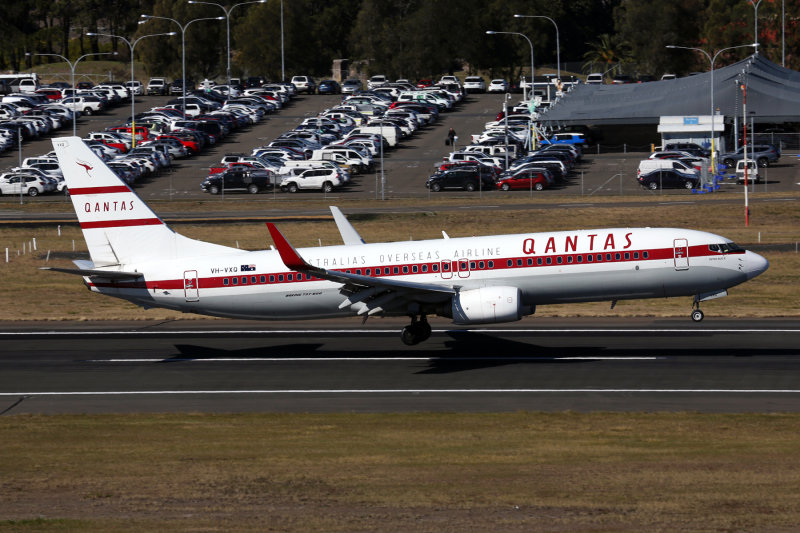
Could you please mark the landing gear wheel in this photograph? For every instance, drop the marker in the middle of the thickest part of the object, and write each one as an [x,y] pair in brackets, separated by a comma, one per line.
[697,315]
[416,332]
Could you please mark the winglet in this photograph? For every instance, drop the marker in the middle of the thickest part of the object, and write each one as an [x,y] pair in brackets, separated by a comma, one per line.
[348,232]
[288,254]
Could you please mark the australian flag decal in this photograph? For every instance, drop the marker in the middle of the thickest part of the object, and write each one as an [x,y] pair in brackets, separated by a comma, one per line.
[248,268]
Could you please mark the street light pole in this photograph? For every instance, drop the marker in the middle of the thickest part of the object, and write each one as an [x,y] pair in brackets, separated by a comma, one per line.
[183,50]
[72,69]
[755,19]
[490,32]
[711,60]
[558,46]
[227,11]
[131,45]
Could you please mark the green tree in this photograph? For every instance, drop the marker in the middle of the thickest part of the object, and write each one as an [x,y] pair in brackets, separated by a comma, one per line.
[608,53]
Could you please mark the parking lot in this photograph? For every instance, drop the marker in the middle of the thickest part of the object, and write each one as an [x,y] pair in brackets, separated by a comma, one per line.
[405,168]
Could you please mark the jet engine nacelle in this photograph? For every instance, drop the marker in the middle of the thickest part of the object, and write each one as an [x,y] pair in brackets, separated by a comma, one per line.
[487,305]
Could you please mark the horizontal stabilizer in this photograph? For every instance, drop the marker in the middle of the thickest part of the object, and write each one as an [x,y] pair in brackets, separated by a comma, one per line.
[108,274]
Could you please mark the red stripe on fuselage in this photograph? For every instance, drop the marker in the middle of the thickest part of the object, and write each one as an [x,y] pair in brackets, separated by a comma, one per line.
[121,223]
[475,265]
[99,190]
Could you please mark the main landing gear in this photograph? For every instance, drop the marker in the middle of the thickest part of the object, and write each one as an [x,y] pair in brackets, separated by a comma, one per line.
[697,314]
[417,331]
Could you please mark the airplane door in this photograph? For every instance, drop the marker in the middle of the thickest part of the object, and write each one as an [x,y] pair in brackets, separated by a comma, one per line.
[463,268]
[191,288]
[446,269]
[681,254]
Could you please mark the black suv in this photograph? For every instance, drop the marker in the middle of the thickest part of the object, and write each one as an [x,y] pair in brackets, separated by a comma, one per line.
[690,148]
[466,179]
[668,179]
[236,179]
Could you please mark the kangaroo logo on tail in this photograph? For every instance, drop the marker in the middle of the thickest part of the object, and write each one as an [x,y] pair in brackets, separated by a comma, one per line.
[86,167]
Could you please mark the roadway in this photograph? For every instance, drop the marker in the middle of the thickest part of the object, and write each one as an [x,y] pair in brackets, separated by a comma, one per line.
[342,366]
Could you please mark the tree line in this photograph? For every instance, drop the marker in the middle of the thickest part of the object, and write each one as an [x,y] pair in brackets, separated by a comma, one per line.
[400,38]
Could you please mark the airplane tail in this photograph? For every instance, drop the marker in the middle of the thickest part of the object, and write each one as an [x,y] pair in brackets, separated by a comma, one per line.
[119,228]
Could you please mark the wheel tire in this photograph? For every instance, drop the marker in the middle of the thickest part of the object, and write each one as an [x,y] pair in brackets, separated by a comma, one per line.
[697,315]
[252,188]
[87,111]
[763,162]
[292,187]
[538,187]
[688,185]
[213,189]
[653,185]
[436,187]
[728,162]
[409,336]
[327,186]
[33,191]
[505,187]
[470,187]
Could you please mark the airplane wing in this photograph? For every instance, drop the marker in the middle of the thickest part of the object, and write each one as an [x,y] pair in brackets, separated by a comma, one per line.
[368,294]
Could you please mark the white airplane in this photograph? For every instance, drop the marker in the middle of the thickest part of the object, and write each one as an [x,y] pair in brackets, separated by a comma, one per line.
[135,256]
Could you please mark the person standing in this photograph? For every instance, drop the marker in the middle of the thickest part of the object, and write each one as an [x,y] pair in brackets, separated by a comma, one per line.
[451,137]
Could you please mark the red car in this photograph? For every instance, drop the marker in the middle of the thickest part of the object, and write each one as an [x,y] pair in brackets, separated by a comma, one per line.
[421,84]
[524,180]
[50,93]
[191,145]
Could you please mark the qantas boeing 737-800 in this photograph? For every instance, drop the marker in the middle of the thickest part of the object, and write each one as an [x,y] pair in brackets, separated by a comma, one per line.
[473,280]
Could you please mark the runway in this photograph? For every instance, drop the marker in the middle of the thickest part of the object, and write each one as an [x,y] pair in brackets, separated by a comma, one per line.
[539,365]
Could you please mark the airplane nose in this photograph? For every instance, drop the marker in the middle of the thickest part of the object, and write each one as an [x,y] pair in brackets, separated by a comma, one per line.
[754,264]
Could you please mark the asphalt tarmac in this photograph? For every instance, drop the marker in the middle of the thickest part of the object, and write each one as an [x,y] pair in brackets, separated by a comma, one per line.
[342,366]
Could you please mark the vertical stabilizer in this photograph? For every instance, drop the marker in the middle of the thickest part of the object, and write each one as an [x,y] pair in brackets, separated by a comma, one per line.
[119,228]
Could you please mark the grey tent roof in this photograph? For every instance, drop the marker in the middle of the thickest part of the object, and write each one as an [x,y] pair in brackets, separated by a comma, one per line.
[773,93]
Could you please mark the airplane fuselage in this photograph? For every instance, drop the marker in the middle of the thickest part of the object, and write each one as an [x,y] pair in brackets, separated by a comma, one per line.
[548,268]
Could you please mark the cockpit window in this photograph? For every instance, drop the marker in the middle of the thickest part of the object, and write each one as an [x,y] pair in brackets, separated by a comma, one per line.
[725,248]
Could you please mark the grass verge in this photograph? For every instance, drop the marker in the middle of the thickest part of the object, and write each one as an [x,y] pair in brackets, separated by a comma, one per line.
[399,472]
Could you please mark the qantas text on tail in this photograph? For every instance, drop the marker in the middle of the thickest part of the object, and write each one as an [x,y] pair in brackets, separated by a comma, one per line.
[475,280]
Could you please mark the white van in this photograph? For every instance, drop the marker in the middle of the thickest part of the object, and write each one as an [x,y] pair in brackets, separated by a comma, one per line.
[392,135]
[752,171]
[650,165]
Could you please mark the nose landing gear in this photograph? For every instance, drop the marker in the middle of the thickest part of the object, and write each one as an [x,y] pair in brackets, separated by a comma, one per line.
[697,314]
[417,331]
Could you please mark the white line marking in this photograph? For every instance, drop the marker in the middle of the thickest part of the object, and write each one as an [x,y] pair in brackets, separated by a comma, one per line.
[360,359]
[351,331]
[405,391]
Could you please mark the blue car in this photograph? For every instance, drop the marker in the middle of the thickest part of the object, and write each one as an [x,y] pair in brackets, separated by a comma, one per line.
[328,87]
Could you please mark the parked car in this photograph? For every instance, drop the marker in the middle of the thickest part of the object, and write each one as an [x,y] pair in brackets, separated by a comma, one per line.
[314,178]
[764,154]
[464,178]
[668,179]
[753,175]
[351,86]
[526,180]
[691,148]
[377,81]
[328,87]
[304,84]
[31,185]
[474,84]
[498,86]
[238,179]
[156,86]
[176,87]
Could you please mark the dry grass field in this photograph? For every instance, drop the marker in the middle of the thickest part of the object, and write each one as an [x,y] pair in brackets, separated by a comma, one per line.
[510,472]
